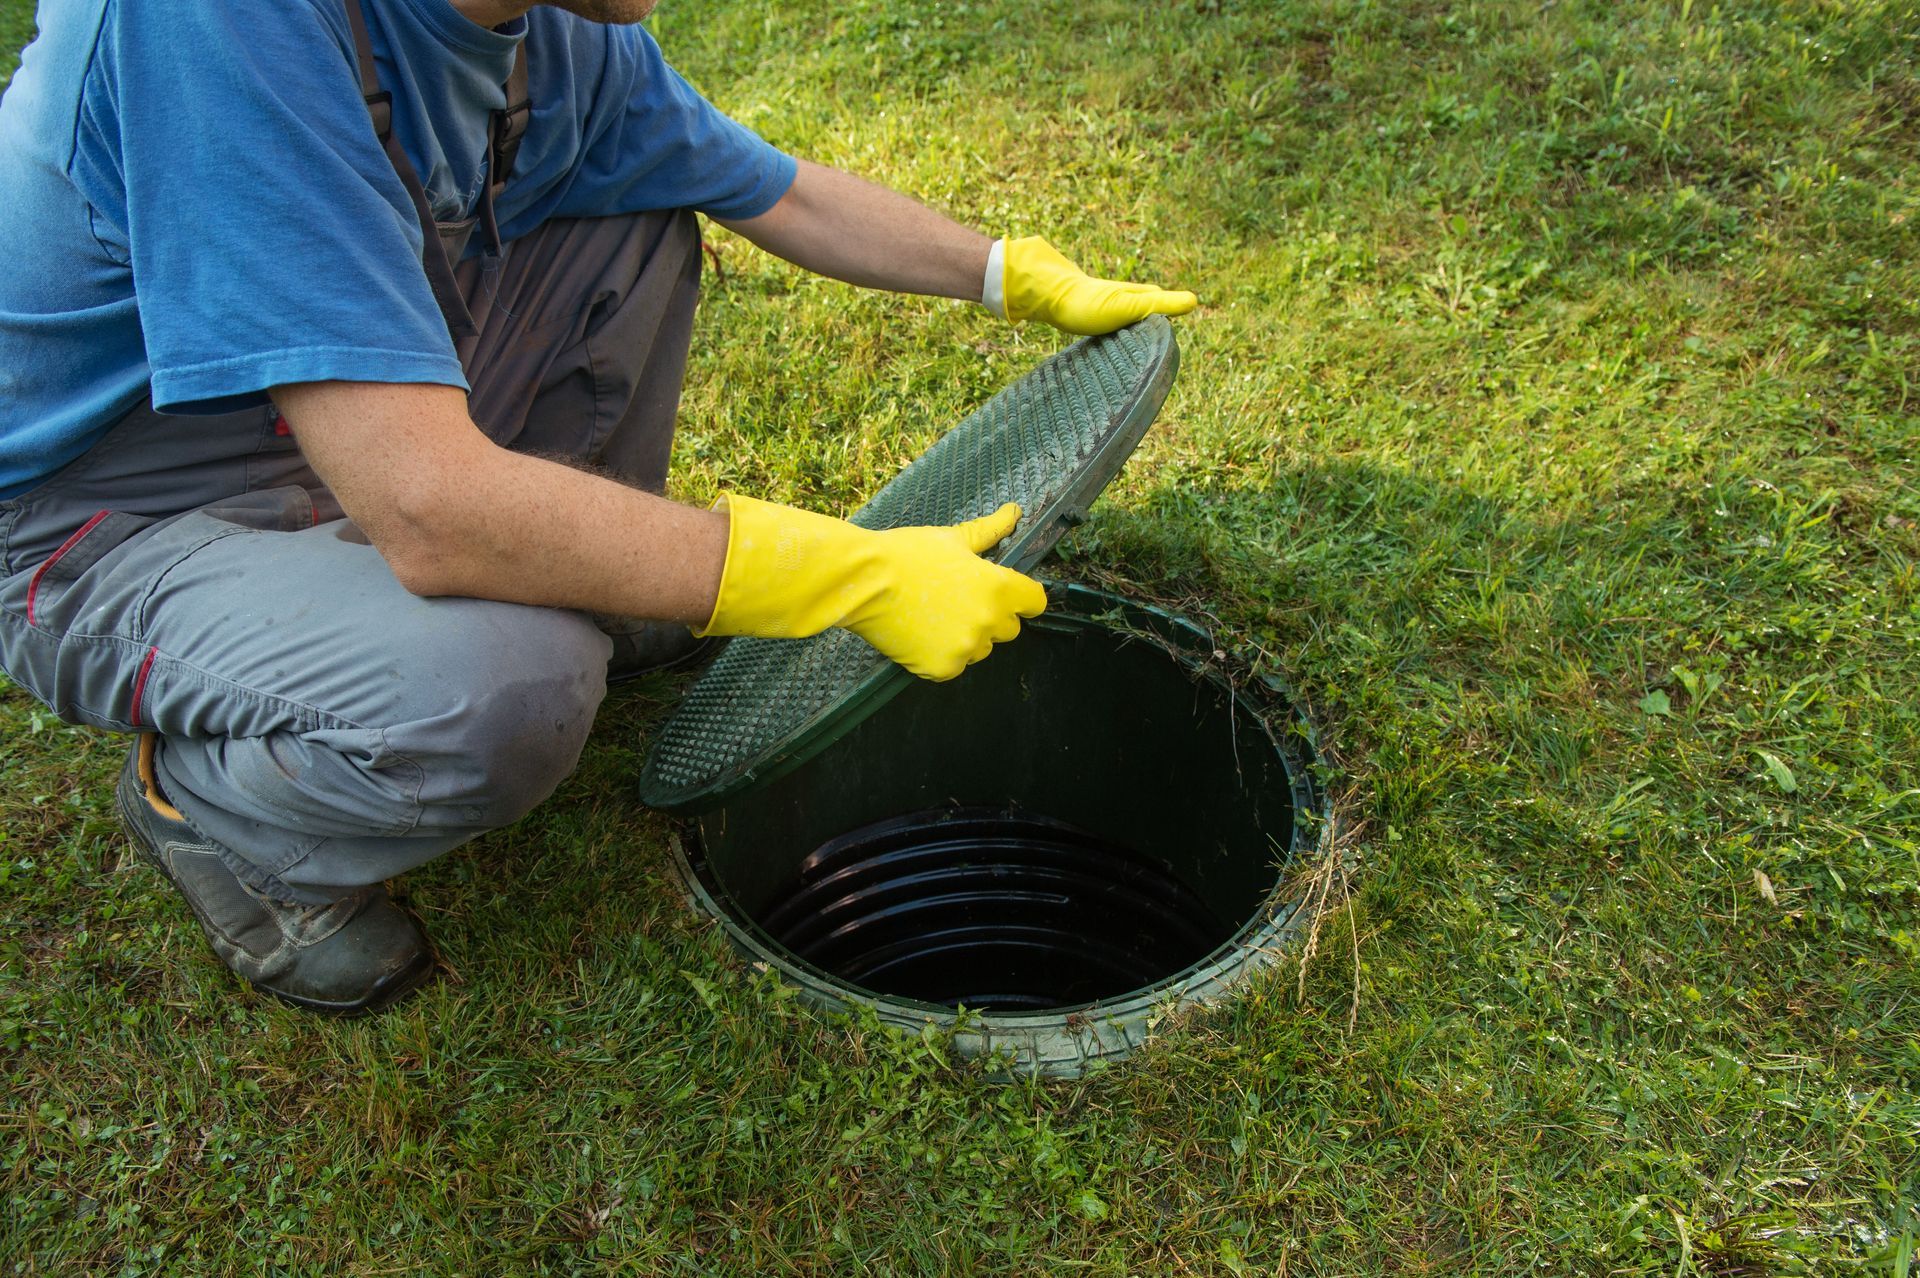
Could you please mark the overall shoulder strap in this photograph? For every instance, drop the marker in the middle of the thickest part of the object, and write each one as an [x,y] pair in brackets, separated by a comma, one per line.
[433,252]
[379,102]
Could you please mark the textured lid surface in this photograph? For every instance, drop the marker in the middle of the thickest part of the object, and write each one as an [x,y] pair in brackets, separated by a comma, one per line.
[1051,442]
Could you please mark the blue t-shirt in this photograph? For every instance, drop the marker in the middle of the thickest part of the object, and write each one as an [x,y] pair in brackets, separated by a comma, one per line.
[195,204]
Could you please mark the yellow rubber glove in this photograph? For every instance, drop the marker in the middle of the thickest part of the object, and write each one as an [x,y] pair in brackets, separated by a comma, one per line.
[1038,283]
[922,596]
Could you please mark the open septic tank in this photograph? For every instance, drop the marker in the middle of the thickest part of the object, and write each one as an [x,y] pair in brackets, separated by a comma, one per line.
[1090,828]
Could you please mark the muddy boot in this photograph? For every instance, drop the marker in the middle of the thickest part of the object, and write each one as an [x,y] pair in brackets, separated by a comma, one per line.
[351,956]
[653,647]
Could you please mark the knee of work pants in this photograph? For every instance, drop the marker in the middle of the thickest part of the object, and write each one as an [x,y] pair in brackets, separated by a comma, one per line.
[466,729]
[497,713]
[465,723]
[323,723]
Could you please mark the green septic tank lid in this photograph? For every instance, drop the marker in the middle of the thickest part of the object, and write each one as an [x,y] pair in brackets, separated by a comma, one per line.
[1051,442]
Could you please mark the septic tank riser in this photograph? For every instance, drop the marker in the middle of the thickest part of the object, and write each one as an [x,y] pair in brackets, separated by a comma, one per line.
[1106,716]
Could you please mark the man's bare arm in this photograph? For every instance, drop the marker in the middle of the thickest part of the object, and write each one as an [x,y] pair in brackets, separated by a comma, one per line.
[835,224]
[455,514]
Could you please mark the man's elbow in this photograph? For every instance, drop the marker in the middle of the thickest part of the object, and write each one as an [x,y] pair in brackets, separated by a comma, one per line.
[415,534]
[425,575]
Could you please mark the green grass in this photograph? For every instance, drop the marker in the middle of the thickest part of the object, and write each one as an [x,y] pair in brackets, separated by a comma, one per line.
[1552,418]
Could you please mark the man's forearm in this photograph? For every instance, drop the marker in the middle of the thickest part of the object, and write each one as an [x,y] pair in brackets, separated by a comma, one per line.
[455,514]
[835,224]
[513,530]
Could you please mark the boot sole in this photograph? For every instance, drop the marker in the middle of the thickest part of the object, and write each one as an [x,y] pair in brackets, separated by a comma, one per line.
[387,991]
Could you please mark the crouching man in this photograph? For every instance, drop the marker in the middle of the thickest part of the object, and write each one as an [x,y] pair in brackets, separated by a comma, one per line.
[340,346]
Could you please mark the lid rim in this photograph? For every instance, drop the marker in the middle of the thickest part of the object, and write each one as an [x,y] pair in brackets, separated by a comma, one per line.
[1039,532]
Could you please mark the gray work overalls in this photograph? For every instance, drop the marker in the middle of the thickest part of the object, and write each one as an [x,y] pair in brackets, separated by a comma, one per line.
[192,576]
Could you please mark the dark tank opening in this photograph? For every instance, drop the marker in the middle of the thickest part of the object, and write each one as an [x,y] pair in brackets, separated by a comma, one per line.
[1085,816]
[991,909]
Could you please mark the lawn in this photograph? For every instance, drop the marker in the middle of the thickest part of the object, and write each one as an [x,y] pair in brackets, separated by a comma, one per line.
[1551,418]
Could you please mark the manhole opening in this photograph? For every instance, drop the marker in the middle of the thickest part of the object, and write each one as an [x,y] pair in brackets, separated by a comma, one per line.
[991,908]
[1092,821]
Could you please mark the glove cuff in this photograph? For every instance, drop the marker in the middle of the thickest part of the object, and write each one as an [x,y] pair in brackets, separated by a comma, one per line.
[723,504]
[789,573]
[993,290]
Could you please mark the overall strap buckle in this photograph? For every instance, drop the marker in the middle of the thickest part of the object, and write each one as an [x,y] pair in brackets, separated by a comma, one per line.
[380,107]
[509,124]
[505,129]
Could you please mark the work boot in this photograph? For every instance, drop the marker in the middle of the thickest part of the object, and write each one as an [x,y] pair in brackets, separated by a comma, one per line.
[654,647]
[351,956]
